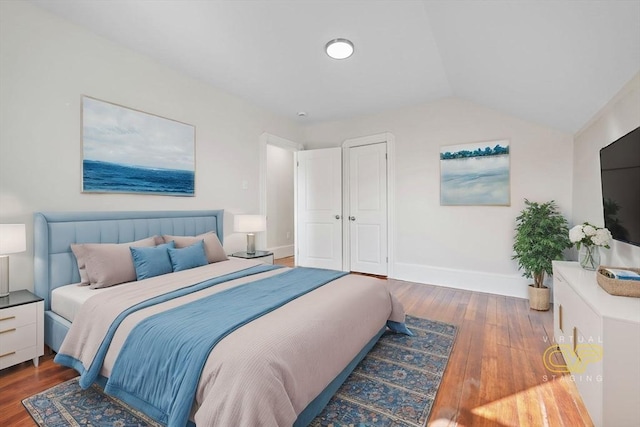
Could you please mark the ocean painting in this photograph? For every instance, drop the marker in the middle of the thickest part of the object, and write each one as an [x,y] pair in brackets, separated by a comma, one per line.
[475,174]
[129,151]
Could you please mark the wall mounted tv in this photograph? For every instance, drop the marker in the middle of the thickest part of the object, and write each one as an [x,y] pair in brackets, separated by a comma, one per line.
[620,173]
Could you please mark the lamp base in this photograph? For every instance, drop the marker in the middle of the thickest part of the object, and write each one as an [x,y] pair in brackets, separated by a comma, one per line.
[251,243]
[4,276]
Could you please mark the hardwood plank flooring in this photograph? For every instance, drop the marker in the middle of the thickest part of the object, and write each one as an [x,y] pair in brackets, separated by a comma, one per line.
[495,376]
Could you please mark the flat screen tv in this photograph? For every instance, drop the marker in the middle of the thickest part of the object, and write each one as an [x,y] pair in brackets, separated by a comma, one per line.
[620,173]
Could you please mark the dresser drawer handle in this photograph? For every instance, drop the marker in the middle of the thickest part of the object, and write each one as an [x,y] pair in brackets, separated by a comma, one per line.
[560,317]
[7,354]
[7,318]
[7,331]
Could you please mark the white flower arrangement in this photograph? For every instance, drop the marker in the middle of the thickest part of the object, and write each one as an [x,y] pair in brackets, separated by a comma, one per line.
[589,235]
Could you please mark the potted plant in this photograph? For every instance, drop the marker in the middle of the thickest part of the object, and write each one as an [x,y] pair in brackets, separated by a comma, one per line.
[542,233]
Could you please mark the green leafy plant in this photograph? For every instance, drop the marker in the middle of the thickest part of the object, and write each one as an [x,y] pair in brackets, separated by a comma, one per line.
[542,233]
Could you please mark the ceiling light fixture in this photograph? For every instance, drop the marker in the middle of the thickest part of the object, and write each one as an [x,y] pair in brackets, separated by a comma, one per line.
[339,48]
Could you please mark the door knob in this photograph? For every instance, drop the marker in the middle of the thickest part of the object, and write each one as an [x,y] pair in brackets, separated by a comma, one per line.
[337,216]
[352,218]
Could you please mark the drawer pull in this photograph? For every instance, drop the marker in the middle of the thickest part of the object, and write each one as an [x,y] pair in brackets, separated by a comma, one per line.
[560,317]
[7,331]
[7,318]
[7,354]
[575,342]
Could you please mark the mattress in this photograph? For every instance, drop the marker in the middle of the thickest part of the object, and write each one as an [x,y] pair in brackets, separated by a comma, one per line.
[67,300]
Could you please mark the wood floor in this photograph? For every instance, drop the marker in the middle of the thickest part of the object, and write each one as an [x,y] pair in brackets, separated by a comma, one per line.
[495,376]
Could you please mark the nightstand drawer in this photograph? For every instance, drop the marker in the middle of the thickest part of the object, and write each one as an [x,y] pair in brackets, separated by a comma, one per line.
[14,317]
[14,339]
[11,358]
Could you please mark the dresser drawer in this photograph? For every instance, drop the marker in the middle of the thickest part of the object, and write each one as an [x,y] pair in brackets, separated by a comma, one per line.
[589,378]
[14,339]
[589,325]
[14,317]
[573,311]
[566,308]
[18,356]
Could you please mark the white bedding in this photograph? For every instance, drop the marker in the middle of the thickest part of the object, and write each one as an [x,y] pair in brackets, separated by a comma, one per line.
[67,300]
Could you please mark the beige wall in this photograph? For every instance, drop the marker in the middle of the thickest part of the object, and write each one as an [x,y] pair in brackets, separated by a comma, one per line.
[620,116]
[462,246]
[46,64]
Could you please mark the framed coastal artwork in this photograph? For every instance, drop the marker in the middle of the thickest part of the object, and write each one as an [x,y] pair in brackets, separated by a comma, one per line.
[130,151]
[475,174]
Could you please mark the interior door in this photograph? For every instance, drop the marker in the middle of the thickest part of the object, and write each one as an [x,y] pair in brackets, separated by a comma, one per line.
[368,209]
[319,208]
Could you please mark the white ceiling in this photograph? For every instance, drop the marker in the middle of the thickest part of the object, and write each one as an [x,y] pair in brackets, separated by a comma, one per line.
[556,63]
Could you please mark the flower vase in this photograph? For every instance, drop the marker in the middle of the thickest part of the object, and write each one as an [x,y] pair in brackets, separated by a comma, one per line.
[589,257]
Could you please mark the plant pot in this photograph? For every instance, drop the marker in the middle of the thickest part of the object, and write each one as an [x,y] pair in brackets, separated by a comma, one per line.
[539,298]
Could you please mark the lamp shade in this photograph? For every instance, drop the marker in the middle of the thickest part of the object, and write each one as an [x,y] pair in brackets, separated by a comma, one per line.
[249,223]
[13,238]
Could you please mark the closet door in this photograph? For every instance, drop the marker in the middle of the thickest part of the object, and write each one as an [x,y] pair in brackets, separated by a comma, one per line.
[319,208]
[368,209]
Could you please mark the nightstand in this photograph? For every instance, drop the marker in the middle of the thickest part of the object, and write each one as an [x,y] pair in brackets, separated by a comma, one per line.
[21,328]
[264,256]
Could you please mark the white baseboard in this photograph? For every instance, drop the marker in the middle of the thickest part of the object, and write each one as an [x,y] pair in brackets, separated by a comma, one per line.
[479,281]
[282,251]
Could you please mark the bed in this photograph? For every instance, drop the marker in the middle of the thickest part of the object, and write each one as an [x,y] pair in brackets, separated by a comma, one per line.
[278,367]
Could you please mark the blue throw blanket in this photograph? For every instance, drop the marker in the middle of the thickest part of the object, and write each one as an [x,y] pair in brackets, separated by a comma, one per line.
[88,376]
[159,365]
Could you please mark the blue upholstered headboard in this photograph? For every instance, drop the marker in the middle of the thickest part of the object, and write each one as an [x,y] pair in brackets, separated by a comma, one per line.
[54,232]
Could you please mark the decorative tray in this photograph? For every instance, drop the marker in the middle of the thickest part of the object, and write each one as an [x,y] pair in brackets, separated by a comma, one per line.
[620,287]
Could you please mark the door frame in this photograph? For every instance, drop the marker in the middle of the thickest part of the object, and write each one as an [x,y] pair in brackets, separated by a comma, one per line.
[390,140]
[277,141]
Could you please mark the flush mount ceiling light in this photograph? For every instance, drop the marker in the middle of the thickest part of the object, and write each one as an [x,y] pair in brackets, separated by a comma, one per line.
[339,48]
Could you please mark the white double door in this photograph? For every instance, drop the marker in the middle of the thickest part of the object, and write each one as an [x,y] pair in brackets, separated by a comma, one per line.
[332,217]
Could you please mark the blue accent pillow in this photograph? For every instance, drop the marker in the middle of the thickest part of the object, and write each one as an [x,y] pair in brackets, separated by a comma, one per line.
[150,262]
[190,257]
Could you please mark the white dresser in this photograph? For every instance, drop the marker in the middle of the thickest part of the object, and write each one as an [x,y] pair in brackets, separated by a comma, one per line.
[21,328]
[599,336]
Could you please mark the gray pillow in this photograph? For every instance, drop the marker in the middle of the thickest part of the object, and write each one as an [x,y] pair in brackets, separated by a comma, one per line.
[212,246]
[106,264]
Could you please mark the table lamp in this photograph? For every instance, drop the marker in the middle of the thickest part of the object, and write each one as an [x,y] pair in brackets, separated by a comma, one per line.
[12,240]
[250,224]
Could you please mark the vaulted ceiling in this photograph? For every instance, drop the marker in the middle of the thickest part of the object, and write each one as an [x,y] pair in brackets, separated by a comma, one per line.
[551,62]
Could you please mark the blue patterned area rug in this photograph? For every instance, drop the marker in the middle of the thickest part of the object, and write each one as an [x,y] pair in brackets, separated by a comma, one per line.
[395,385]
[67,405]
